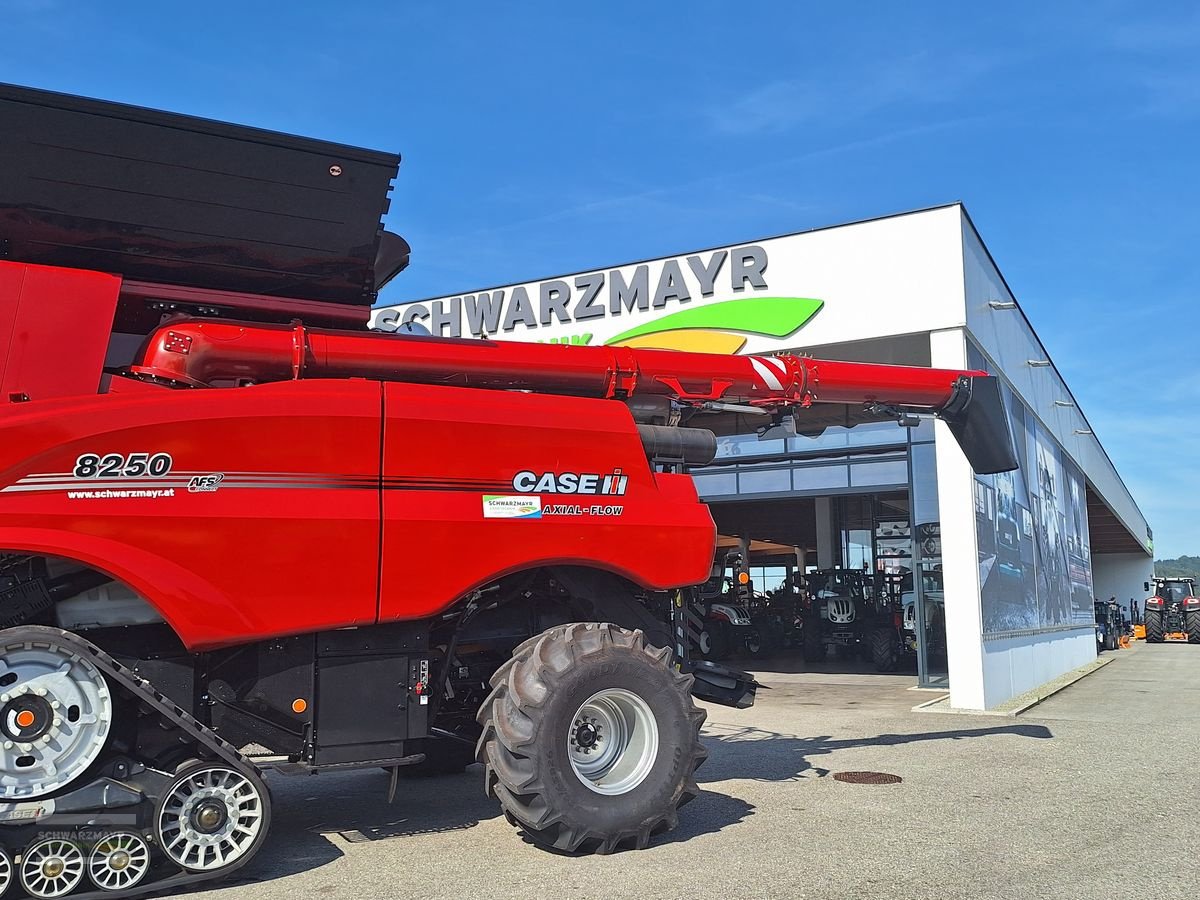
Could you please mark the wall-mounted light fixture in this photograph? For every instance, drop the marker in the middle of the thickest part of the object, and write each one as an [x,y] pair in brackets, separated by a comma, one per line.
[1002,304]
[1038,363]
[1063,403]
[1083,431]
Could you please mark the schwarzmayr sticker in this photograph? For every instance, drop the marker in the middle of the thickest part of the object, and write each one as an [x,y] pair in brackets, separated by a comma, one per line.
[506,507]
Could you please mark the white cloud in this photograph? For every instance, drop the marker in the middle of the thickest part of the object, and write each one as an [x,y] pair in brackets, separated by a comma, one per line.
[853,94]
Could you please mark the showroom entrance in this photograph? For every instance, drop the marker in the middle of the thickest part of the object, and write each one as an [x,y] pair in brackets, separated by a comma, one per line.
[839,540]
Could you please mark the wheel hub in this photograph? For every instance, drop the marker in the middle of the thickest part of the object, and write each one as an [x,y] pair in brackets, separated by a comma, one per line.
[53,867]
[587,735]
[26,719]
[613,741]
[209,816]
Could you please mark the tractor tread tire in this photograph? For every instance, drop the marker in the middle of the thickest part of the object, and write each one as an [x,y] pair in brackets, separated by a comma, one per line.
[885,655]
[814,651]
[1153,619]
[524,751]
[1192,624]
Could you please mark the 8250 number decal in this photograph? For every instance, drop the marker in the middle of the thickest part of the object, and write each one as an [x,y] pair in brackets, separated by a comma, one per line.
[116,465]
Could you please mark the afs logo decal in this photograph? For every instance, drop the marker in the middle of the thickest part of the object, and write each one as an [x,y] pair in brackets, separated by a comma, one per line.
[203,484]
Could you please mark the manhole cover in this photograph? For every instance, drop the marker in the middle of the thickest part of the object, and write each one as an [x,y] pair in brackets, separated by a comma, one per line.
[867,778]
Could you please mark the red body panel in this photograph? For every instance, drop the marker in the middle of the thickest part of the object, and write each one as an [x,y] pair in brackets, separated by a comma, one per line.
[54,327]
[288,540]
[278,548]
[446,449]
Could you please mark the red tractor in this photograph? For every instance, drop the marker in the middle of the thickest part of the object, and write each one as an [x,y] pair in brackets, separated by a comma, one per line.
[1172,611]
[214,479]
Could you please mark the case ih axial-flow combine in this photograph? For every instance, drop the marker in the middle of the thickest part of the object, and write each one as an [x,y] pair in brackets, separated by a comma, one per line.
[214,480]
[1173,612]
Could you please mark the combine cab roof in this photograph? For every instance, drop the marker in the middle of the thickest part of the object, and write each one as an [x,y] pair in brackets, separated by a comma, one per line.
[160,197]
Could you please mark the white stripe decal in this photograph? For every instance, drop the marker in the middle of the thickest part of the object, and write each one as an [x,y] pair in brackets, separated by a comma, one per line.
[765,374]
[777,363]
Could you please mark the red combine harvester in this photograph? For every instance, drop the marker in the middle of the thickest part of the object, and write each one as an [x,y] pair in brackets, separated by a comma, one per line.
[216,485]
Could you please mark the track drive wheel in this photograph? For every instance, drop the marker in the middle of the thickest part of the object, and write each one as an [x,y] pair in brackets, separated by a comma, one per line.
[212,817]
[591,739]
[56,712]
[1154,626]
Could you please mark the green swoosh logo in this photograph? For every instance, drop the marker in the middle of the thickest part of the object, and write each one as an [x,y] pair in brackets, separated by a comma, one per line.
[774,316]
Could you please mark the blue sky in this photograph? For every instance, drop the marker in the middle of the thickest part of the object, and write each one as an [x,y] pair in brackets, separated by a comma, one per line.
[548,137]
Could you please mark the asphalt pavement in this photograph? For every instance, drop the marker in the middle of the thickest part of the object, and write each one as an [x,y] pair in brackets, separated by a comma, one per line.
[1078,798]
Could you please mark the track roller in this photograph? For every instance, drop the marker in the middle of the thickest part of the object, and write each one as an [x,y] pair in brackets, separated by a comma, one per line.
[6,871]
[211,816]
[119,861]
[51,868]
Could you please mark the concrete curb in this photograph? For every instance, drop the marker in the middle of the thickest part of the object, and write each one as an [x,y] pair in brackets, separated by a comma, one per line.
[1023,702]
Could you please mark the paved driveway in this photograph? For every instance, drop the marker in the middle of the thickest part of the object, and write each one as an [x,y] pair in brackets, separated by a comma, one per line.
[1055,804]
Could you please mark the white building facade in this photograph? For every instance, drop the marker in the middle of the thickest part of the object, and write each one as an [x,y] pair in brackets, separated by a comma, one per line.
[1010,562]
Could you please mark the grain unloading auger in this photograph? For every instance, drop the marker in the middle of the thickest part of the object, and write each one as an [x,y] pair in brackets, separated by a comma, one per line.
[661,387]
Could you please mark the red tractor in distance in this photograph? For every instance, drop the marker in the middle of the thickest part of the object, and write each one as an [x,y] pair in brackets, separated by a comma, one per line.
[213,476]
[1172,612]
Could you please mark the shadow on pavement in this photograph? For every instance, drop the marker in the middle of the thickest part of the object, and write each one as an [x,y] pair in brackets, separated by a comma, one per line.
[784,757]
[313,815]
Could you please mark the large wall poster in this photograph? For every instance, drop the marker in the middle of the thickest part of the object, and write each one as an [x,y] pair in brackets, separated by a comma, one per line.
[1031,525]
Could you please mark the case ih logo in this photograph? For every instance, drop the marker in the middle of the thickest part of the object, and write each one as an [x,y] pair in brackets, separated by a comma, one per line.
[569,483]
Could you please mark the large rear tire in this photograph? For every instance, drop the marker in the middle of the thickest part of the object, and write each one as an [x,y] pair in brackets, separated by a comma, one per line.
[814,649]
[591,739]
[1192,623]
[1154,626]
[885,652]
[715,642]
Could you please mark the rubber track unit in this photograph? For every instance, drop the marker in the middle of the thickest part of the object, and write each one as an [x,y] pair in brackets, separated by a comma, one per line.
[511,722]
[120,677]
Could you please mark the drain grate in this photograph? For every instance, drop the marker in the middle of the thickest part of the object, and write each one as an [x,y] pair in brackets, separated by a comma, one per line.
[867,778]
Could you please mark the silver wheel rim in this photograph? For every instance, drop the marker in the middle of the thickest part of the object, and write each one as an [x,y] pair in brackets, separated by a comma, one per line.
[6,872]
[210,819]
[51,868]
[55,716]
[119,862]
[613,741]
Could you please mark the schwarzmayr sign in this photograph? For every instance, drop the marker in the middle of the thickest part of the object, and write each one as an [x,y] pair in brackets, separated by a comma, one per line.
[589,297]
